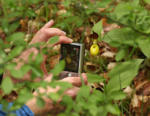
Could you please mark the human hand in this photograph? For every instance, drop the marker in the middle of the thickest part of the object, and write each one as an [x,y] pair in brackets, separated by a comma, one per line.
[75,81]
[46,32]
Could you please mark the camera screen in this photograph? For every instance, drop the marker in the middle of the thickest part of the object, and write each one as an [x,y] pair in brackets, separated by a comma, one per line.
[71,54]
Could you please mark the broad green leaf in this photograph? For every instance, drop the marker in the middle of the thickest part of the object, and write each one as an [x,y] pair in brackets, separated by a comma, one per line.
[58,68]
[3,56]
[113,109]
[123,9]
[117,95]
[96,96]
[53,40]
[122,74]
[121,54]
[68,101]
[7,85]
[66,3]
[93,109]
[13,27]
[147,1]
[98,28]
[84,91]
[94,78]
[103,3]
[17,38]
[119,37]
[15,52]
[24,95]
[18,73]
[37,71]
[144,45]
[10,66]
[40,102]
[39,58]
[54,96]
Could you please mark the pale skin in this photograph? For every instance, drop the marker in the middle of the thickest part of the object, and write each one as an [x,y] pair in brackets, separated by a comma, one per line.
[43,35]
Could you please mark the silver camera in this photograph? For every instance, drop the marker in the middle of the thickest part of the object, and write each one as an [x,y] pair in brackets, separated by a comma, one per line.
[72,54]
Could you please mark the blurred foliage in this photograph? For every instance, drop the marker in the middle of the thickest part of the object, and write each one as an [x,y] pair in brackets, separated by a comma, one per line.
[69,15]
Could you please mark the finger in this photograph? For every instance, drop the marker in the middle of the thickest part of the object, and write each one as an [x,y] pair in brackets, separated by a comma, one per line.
[72,92]
[54,32]
[64,39]
[48,78]
[76,81]
[48,24]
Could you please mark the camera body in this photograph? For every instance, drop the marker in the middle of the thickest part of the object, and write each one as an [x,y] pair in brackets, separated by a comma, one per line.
[73,56]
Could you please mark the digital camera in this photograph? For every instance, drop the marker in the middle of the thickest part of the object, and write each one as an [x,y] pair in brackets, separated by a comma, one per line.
[72,54]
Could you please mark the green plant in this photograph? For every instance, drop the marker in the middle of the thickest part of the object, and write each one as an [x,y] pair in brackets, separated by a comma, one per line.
[130,40]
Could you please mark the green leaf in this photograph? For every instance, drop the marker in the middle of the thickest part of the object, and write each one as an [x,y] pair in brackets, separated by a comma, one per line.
[58,68]
[147,1]
[96,96]
[66,3]
[93,109]
[123,9]
[122,74]
[54,96]
[39,58]
[37,71]
[117,95]
[7,85]
[94,78]
[17,38]
[25,95]
[121,54]
[40,102]
[18,73]
[15,52]
[119,37]
[13,27]
[113,109]
[98,28]
[53,40]
[103,3]
[84,91]
[144,45]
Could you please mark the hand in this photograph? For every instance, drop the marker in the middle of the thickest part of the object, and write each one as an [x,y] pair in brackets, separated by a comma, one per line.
[46,32]
[49,107]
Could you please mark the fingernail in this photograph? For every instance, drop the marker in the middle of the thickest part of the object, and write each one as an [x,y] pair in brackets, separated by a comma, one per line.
[71,40]
[64,32]
[52,20]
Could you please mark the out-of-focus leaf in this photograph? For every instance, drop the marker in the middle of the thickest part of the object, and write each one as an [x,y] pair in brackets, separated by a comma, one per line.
[40,102]
[58,68]
[17,38]
[15,52]
[117,95]
[84,91]
[94,78]
[18,73]
[113,109]
[7,85]
[24,96]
